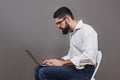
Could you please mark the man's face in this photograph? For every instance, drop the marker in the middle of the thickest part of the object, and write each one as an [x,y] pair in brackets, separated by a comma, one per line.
[63,25]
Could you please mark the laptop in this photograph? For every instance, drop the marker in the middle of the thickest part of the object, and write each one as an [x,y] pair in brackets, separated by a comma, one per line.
[35,59]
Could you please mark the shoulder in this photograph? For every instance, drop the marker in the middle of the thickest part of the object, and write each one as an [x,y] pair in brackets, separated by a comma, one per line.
[88,28]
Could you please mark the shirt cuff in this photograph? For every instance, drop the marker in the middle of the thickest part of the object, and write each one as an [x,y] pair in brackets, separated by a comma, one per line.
[76,61]
[65,58]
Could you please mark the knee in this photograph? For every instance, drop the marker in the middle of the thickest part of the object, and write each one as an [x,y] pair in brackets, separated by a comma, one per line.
[36,69]
[47,73]
[43,70]
[43,73]
[46,70]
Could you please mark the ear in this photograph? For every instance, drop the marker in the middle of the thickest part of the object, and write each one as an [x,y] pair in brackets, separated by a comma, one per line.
[68,19]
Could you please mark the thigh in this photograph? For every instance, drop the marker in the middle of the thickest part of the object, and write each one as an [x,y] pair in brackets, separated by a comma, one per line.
[66,73]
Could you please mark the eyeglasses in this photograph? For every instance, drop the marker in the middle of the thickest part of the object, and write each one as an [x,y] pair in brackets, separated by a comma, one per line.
[60,21]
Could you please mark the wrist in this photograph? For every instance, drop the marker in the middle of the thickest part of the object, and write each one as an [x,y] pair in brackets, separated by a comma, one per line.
[67,63]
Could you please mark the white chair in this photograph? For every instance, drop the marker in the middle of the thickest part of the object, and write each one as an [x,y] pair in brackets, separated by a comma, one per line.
[98,58]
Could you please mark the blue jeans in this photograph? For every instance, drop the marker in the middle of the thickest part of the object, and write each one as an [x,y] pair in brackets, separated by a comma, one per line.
[63,73]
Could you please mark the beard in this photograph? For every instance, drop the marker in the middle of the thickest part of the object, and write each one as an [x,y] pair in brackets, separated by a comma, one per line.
[66,29]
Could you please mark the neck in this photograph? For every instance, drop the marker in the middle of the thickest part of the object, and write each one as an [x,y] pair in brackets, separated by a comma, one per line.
[73,25]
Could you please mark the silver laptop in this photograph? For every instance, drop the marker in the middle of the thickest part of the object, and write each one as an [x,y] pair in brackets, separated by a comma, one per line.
[35,59]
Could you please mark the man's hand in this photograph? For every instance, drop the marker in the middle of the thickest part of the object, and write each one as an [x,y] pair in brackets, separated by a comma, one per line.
[57,62]
[53,62]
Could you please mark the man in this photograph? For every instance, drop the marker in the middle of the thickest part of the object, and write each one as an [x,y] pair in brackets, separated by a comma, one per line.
[79,63]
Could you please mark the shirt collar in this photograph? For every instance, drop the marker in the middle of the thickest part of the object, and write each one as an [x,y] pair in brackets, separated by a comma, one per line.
[78,26]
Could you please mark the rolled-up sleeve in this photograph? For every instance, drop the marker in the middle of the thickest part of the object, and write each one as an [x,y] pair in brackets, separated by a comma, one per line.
[66,57]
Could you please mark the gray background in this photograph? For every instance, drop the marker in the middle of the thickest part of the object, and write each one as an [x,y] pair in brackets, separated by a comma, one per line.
[28,24]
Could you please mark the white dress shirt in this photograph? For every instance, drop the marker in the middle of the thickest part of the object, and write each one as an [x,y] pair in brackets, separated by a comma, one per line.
[83,46]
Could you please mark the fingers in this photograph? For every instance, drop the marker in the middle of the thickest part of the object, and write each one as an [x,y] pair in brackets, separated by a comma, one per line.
[44,62]
[48,62]
[53,62]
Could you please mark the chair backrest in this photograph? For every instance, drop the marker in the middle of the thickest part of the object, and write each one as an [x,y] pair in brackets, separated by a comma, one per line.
[98,58]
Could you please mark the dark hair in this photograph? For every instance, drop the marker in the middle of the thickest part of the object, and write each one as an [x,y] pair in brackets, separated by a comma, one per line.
[62,12]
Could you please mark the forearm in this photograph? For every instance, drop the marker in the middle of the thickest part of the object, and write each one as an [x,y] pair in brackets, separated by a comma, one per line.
[68,63]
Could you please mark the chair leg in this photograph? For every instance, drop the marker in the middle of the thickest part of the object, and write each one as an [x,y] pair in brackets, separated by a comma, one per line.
[93,79]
